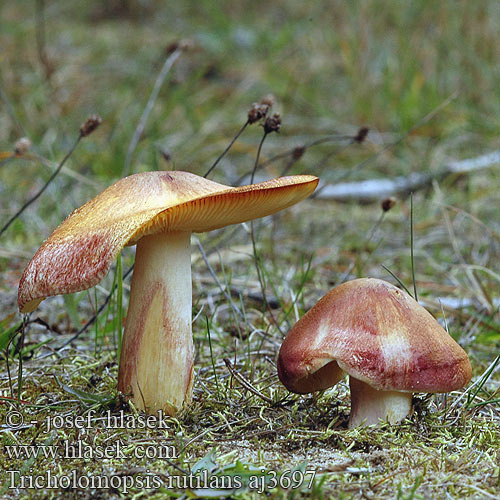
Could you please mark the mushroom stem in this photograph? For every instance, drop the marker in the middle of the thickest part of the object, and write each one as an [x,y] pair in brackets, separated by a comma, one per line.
[156,364]
[369,405]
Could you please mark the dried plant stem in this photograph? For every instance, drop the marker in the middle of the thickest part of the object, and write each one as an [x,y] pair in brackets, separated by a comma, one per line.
[252,231]
[37,195]
[415,296]
[427,118]
[40,40]
[209,171]
[209,336]
[291,152]
[254,246]
[252,177]
[401,284]
[368,240]
[20,346]
[167,65]
[222,288]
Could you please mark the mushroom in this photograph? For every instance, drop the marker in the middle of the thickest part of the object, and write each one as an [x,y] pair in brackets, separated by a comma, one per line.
[387,343]
[158,211]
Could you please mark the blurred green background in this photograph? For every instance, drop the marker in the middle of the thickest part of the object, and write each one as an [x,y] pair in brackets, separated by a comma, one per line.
[331,65]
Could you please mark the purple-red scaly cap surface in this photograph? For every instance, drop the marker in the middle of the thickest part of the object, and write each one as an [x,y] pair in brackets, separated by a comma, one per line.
[376,333]
[79,253]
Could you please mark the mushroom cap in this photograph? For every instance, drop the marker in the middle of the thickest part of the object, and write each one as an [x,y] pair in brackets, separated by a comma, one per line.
[79,253]
[376,333]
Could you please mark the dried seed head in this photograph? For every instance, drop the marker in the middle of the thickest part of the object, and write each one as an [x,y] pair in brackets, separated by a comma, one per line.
[388,203]
[257,112]
[272,123]
[361,135]
[90,124]
[298,152]
[171,47]
[183,45]
[22,146]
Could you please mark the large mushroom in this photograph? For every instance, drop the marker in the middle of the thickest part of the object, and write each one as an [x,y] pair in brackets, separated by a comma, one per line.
[158,211]
[387,343]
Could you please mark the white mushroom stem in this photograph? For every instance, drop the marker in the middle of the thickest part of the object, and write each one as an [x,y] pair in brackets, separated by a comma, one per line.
[156,364]
[368,405]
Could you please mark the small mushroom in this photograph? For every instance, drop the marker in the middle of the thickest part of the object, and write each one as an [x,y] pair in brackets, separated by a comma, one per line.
[387,343]
[158,211]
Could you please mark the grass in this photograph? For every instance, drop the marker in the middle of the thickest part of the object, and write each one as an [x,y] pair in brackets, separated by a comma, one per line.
[393,66]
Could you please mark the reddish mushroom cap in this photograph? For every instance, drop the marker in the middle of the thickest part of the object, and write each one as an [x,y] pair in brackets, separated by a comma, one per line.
[81,250]
[376,333]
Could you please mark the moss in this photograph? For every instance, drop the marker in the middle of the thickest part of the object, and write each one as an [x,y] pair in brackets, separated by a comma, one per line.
[333,68]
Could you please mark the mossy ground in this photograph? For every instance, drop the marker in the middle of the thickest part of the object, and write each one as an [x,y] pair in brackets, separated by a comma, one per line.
[332,67]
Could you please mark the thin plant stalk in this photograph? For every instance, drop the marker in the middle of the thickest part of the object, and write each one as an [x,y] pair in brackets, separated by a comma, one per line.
[40,39]
[44,187]
[411,249]
[401,284]
[167,65]
[360,264]
[257,259]
[252,177]
[119,301]
[484,378]
[212,357]
[209,171]
[91,321]
[290,152]
[256,256]
[96,329]
[424,120]
[20,346]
